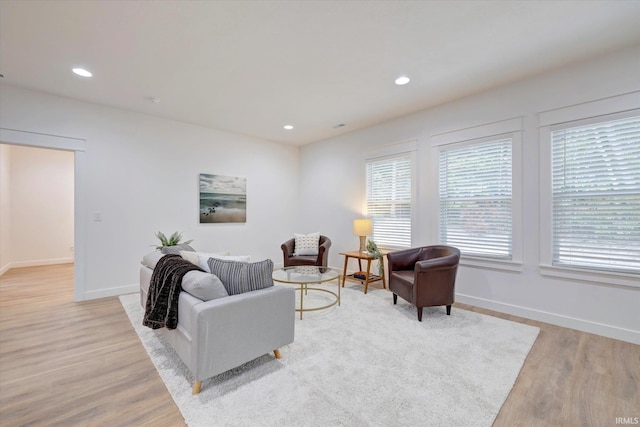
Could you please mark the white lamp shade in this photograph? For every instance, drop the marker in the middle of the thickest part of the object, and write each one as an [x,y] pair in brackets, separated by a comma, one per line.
[362,227]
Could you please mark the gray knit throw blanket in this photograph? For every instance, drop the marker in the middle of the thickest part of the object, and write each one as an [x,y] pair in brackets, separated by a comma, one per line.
[164,290]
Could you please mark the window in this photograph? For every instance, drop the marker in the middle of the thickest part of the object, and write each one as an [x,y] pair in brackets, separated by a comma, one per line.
[595,185]
[475,192]
[389,199]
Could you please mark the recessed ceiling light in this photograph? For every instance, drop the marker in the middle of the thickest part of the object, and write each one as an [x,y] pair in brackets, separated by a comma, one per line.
[288,127]
[82,72]
[402,80]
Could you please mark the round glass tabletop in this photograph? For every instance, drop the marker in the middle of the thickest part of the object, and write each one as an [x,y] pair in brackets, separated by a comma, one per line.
[305,274]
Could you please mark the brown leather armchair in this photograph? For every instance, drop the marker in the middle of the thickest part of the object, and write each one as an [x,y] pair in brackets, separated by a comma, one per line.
[288,249]
[424,276]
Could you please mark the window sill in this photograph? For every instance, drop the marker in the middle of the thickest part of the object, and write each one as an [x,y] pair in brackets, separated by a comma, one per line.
[595,276]
[492,264]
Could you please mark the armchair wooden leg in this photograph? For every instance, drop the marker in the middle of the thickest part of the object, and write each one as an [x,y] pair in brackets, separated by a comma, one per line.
[395,299]
[277,354]
[197,386]
[449,310]
[419,314]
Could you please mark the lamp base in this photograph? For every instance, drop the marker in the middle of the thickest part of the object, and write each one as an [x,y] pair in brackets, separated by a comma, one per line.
[363,244]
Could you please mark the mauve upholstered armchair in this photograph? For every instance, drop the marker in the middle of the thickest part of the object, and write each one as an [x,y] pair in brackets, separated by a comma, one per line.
[425,276]
[290,260]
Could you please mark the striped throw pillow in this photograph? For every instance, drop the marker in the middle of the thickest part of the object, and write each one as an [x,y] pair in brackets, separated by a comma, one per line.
[239,277]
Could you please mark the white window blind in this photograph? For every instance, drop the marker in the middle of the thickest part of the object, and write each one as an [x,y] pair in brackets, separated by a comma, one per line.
[389,200]
[596,195]
[476,198]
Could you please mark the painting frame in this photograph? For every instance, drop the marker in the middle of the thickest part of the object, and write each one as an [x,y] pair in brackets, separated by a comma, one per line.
[223,199]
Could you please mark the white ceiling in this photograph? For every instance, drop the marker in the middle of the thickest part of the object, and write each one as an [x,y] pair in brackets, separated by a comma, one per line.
[253,66]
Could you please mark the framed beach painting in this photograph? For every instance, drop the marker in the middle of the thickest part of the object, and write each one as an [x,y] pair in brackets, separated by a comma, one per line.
[222,199]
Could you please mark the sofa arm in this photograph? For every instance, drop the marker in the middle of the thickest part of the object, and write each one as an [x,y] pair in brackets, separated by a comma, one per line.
[230,331]
[427,264]
[323,251]
[288,248]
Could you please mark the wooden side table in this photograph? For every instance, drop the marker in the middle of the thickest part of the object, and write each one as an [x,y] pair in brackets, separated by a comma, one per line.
[365,277]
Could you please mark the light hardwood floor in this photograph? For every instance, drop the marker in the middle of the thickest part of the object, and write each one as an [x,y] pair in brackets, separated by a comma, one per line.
[73,364]
[81,364]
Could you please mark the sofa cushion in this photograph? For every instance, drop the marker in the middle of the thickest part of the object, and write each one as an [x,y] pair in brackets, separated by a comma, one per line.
[306,244]
[239,277]
[203,285]
[404,276]
[176,249]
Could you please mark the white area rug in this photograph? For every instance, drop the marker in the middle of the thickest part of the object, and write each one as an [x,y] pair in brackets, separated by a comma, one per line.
[365,363]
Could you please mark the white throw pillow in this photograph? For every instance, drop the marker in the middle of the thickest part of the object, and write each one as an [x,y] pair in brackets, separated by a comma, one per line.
[203,285]
[203,258]
[192,257]
[306,244]
[151,259]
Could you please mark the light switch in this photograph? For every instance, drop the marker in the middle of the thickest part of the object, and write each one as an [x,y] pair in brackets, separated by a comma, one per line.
[97,216]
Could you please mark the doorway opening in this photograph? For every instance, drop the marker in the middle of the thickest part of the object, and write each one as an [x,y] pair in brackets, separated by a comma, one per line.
[76,147]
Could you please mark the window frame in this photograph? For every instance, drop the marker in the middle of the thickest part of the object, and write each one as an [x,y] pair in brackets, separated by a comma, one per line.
[504,129]
[407,148]
[598,111]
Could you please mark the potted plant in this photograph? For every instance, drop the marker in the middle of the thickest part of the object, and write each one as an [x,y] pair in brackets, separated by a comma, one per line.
[372,248]
[173,240]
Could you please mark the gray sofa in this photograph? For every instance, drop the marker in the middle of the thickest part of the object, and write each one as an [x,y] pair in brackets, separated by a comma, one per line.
[217,335]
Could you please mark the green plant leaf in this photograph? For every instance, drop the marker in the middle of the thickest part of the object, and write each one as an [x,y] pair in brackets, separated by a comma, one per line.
[173,240]
[372,248]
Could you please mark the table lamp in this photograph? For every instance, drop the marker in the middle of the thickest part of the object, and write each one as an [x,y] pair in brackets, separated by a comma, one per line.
[363,228]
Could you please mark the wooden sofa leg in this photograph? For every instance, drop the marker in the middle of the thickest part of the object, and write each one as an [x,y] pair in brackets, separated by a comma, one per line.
[277,354]
[419,314]
[449,310]
[197,386]
[395,299]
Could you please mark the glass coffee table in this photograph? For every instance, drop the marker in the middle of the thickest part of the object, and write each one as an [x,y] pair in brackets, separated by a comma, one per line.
[306,275]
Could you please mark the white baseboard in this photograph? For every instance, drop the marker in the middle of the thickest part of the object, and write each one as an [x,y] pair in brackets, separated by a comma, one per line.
[111,292]
[38,262]
[554,319]
[35,263]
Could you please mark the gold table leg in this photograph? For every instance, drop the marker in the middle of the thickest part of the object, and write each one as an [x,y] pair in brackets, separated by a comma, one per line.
[302,290]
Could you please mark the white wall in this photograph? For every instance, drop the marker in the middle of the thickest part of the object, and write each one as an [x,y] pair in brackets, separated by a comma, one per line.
[332,202]
[5,208]
[39,200]
[141,174]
